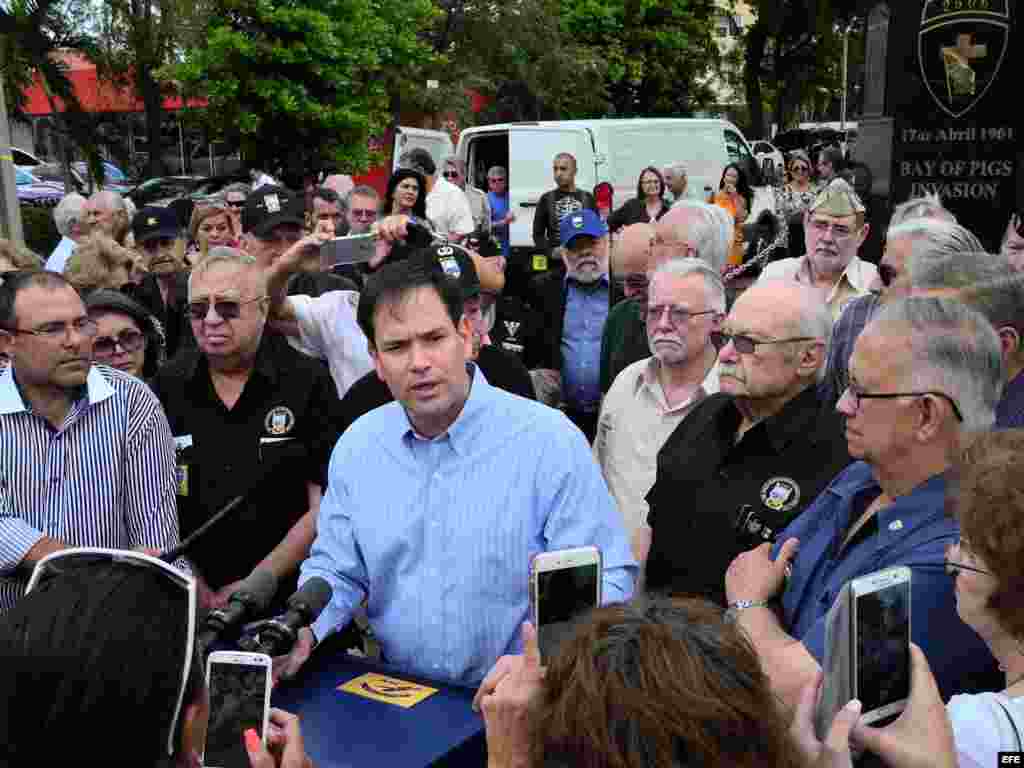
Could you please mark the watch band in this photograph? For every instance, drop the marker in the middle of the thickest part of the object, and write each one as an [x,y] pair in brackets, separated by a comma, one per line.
[734,609]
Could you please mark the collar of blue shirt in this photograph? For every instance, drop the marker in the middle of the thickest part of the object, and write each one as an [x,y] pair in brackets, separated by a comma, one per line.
[97,389]
[472,419]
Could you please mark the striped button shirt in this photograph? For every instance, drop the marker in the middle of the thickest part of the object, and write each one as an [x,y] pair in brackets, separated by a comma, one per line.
[106,478]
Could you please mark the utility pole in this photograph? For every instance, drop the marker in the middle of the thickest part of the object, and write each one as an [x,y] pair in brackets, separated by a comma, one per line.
[10,213]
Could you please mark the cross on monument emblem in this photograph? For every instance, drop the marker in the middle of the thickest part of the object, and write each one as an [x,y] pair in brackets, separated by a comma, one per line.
[960,76]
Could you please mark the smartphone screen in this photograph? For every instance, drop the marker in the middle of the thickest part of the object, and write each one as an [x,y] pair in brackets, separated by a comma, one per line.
[237,697]
[563,595]
[883,646]
[354,249]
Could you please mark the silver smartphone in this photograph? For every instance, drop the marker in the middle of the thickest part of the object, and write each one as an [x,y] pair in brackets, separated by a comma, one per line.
[239,686]
[880,642]
[350,249]
[564,585]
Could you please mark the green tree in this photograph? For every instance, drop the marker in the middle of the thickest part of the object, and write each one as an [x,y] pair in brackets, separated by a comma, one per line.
[298,87]
[32,33]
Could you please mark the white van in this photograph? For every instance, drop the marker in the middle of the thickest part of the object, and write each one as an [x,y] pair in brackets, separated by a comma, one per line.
[613,151]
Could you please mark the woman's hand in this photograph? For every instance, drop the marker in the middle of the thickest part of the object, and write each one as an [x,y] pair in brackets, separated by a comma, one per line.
[284,748]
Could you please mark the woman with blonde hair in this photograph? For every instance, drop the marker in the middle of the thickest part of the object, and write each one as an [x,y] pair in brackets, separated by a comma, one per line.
[211,225]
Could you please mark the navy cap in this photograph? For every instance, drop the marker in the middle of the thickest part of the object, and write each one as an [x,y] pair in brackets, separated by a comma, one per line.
[582,222]
[456,262]
[152,222]
[268,206]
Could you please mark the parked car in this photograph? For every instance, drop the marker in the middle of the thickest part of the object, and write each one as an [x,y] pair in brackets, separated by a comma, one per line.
[211,185]
[115,179]
[163,189]
[33,191]
[52,172]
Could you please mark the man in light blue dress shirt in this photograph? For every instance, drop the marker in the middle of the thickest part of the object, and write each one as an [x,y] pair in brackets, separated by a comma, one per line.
[437,502]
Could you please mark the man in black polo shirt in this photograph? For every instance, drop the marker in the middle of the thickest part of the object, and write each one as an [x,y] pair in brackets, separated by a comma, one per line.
[250,416]
[501,368]
[748,460]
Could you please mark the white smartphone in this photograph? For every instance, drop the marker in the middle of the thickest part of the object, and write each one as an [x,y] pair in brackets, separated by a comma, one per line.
[350,249]
[239,685]
[880,642]
[564,585]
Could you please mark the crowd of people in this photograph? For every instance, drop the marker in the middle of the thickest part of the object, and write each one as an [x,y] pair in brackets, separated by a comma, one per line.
[414,428]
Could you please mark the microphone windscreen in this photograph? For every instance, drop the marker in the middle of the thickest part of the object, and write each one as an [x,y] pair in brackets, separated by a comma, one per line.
[315,594]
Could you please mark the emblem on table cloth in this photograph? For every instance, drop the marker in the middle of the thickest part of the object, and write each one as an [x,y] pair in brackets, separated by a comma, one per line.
[280,420]
[780,494]
[961,45]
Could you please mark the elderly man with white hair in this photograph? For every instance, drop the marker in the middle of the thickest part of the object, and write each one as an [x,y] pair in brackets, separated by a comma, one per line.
[107,213]
[651,397]
[70,220]
[746,461]
[691,229]
[676,180]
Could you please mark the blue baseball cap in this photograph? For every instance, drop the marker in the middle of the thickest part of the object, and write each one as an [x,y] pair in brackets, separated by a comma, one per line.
[582,222]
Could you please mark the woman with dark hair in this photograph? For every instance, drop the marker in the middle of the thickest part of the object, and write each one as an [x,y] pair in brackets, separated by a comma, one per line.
[735,196]
[647,207]
[97,667]
[130,338]
[406,194]
[830,164]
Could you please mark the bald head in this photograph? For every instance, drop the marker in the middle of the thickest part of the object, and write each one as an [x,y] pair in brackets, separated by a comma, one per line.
[340,182]
[632,252]
[797,308]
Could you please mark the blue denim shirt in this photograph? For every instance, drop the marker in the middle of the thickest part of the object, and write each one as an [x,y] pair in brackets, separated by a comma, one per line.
[913,531]
[586,310]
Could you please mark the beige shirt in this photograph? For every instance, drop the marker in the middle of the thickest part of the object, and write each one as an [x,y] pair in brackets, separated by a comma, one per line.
[635,422]
[855,281]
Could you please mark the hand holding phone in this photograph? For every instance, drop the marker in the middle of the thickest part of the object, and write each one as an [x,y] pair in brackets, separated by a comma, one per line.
[564,585]
[239,687]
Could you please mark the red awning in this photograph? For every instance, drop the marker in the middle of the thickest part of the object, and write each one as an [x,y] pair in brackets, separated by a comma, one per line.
[95,95]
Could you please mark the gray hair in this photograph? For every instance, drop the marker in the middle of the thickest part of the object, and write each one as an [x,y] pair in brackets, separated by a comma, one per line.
[935,237]
[686,266]
[363,190]
[954,351]
[1001,301]
[925,207]
[933,269]
[496,170]
[711,231]
[676,167]
[70,207]
[238,186]
[223,254]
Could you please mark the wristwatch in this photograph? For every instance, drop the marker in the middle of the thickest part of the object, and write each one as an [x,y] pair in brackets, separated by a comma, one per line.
[734,609]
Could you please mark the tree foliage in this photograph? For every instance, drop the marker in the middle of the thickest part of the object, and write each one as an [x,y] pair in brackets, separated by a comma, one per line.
[301,86]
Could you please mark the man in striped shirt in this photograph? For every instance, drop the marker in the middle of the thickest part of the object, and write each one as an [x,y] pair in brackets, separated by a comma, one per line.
[86,456]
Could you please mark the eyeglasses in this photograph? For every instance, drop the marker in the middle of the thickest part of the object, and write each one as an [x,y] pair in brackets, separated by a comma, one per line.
[856,395]
[677,316]
[59,563]
[128,340]
[366,214]
[451,174]
[59,329]
[236,203]
[745,345]
[952,566]
[226,309]
[839,231]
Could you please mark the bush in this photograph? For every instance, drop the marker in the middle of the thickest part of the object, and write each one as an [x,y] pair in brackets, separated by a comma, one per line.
[40,231]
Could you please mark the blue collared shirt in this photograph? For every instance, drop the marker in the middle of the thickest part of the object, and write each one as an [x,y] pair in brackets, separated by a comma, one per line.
[439,534]
[106,478]
[586,310]
[913,531]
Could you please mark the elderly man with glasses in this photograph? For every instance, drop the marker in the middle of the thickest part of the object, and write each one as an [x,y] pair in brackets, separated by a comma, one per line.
[834,229]
[250,417]
[748,460]
[924,375]
[86,455]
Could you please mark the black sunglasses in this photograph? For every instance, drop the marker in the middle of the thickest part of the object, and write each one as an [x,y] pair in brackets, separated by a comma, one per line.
[129,340]
[451,174]
[226,309]
[236,203]
[745,345]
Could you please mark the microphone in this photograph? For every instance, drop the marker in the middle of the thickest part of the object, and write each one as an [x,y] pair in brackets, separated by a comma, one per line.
[186,546]
[251,598]
[276,636]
